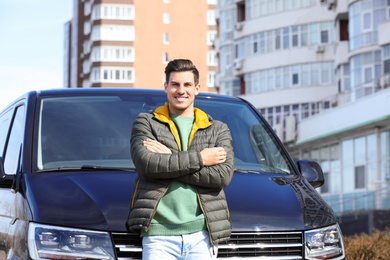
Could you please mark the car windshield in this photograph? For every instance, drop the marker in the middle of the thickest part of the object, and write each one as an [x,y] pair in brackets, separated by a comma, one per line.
[93,132]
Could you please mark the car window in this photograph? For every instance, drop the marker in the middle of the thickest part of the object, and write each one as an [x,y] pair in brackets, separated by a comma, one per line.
[255,149]
[5,120]
[15,141]
[95,130]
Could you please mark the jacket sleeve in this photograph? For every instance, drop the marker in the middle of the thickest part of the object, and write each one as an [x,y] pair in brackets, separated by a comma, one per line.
[219,175]
[156,165]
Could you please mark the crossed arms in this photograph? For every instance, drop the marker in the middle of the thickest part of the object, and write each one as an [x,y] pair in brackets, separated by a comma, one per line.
[211,167]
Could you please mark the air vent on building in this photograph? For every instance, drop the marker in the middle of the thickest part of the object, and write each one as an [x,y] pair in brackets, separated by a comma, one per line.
[238,64]
[385,82]
[331,4]
[319,48]
[238,26]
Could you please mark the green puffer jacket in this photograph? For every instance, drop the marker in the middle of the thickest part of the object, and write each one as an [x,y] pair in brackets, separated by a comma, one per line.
[156,171]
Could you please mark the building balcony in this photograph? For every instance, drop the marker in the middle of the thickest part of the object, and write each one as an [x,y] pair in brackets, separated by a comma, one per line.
[383,33]
[341,10]
[346,120]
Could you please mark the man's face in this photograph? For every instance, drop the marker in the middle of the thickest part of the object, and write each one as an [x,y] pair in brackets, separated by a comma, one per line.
[181,91]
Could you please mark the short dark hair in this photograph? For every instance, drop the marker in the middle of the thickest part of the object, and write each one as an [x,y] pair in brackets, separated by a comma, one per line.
[179,65]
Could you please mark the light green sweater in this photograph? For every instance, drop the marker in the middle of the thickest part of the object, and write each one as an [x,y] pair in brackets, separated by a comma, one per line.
[178,212]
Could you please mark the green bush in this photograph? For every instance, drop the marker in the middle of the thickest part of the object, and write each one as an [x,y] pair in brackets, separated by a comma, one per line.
[365,247]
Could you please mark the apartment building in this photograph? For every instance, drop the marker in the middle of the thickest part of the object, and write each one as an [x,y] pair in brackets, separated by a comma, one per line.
[127,43]
[279,56]
[319,72]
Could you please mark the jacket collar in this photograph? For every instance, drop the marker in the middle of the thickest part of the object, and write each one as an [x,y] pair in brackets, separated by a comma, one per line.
[201,118]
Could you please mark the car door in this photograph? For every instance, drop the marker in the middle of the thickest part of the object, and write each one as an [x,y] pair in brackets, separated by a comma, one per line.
[12,223]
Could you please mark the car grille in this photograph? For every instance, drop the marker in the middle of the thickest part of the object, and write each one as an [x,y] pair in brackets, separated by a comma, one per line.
[127,246]
[275,245]
[246,245]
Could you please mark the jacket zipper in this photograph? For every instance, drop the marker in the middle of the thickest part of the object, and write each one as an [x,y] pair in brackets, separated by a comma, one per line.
[204,214]
[135,191]
[155,209]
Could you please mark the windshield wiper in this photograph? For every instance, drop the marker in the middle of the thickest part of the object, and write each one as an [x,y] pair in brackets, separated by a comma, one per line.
[87,168]
[247,171]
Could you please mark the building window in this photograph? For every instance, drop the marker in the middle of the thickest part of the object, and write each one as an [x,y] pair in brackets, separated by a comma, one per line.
[113,53]
[255,48]
[365,69]
[227,24]
[286,37]
[277,39]
[359,159]
[325,187]
[165,58]
[240,51]
[211,79]
[87,27]
[212,59]
[113,33]
[359,177]
[211,35]
[324,32]
[211,17]
[307,74]
[87,8]
[259,8]
[386,59]
[294,36]
[295,79]
[346,77]
[289,37]
[117,12]
[364,18]
[166,18]
[166,38]
[386,65]
[112,75]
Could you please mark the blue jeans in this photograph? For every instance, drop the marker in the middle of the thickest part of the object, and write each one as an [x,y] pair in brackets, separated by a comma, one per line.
[193,246]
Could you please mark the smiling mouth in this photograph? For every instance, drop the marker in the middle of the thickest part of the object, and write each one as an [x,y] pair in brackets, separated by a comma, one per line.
[181,98]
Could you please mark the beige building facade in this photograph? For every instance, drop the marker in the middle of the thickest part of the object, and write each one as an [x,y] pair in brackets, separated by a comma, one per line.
[127,43]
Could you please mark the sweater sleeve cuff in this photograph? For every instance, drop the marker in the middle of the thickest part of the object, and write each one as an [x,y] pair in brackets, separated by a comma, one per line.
[200,159]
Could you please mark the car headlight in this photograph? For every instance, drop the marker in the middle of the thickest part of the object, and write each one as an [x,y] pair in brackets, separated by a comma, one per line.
[51,242]
[324,243]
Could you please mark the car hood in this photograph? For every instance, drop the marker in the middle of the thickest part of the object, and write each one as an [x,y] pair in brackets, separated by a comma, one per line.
[101,200]
[265,202]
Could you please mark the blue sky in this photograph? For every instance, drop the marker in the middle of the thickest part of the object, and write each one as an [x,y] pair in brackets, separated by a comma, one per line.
[31,45]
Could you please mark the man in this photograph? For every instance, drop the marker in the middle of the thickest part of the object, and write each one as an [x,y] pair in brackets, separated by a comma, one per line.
[184,159]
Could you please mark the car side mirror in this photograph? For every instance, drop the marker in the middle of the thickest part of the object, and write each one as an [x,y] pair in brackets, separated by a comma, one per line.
[312,172]
[6,180]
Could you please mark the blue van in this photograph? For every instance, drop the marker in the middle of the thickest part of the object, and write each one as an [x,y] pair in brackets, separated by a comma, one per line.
[66,180]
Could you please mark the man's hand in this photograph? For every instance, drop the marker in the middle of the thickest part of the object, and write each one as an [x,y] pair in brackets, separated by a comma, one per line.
[156,146]
[213,156]
[210,156]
